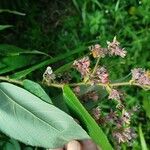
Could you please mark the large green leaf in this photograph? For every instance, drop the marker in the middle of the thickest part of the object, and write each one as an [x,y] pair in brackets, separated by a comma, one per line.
[30,120]
[37,90]
[91,126]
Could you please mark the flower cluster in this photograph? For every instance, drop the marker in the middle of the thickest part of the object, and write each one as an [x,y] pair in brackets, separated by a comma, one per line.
[122,131]
[124,135]
[115,49]
[140,76]
[82,65]
[118,117]
[102,74]
[98,51]
[118,120]
[115,94]
[96,112]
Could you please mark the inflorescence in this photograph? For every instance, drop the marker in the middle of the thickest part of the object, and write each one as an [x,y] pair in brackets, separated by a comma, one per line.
[120,118]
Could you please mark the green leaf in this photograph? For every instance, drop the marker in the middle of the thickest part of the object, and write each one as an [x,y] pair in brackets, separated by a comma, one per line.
[12,63]
[28,148]
[2,27]
[6,49]
[59,102]
[12,12]
[15,58]
[11,50]
[64,68]
[12,145]
[91,126]
[146,104]
[142,139]
[21,74]
[37,90]
[32,121]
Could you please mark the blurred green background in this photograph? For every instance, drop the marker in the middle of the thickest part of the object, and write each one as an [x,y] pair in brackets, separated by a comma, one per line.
[65,29]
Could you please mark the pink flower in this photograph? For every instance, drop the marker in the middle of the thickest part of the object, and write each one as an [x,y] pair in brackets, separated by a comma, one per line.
[114,48]
[124,135]
[102,75]
[82,65]
[115,94]
[140,76]
[98,51]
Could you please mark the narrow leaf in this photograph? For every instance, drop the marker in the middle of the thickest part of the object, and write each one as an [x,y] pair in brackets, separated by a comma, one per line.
[142,139]
[146,104]
[92,128]
[27,118]
[25,72]
[12,63]
[12,12]
[2,27]
[11,50]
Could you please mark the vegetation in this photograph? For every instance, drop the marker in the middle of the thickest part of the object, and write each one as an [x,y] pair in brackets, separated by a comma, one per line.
[62,60]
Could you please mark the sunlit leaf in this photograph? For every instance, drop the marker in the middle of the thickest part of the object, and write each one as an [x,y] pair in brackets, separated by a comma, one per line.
[27,118]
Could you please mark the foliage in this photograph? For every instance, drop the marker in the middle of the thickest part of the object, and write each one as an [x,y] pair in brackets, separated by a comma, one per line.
[33,121]
[35,34]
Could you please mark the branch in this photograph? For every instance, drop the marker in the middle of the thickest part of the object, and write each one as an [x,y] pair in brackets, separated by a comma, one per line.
[57,85]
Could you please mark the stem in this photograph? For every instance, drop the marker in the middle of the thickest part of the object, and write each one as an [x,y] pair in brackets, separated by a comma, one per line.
[96,65]
[11,80]
[57,85]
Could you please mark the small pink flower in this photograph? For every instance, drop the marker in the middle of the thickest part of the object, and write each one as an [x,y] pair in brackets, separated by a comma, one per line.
[140,76]
[115,94]
[98,51]
[102,74]
[114,48]
[124,135]
[82,65]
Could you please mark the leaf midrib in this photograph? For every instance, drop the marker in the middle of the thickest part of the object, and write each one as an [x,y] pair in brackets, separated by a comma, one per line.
[11,99]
